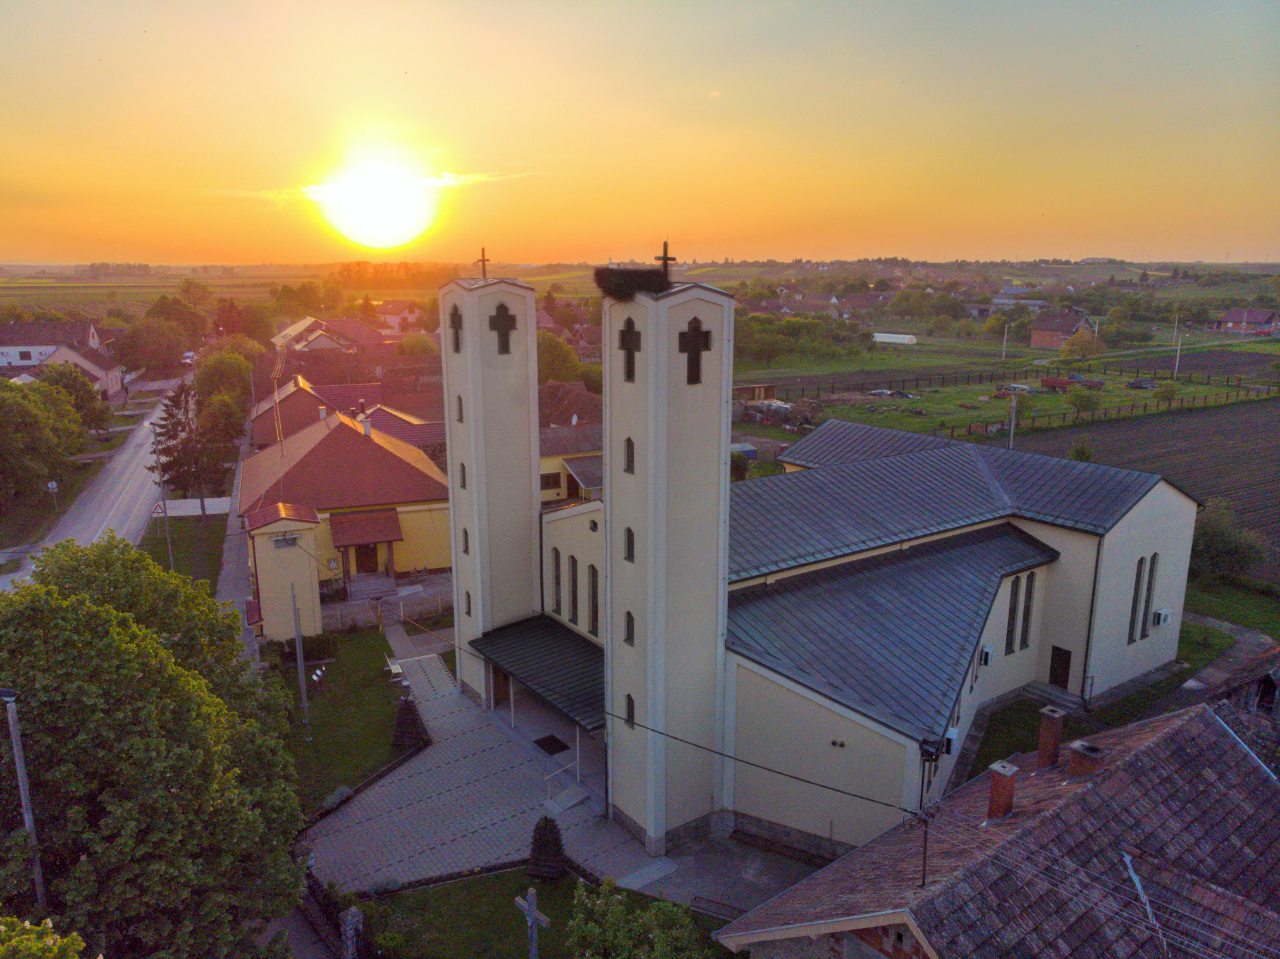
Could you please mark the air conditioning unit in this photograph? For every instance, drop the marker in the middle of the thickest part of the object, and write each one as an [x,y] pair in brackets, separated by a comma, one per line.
[984,658]
[1162,617]
[284,542]
[949,741]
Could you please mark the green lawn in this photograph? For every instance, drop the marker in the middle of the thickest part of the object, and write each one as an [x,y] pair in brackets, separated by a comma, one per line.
[197,545]
[1236,604]
[352,718]
[1016,728]
[31,517]
[10,566]
[477,919]
[430,623]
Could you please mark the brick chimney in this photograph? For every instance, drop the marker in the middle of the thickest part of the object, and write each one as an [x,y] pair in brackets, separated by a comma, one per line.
[1000,801]
[324,411]
[1083,759]
[368,427]
[1051,722]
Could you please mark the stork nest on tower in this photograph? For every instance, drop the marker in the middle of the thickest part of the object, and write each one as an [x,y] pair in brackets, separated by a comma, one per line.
[623,284]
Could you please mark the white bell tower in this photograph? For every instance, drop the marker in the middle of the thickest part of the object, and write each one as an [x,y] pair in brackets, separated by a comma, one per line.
[667,376]
[488,346]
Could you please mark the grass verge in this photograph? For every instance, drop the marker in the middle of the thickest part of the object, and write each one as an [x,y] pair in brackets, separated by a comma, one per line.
[10,566]
[352,718]
[197,545]
[1237,602]
[477,918]
[31,517]
[1016,728]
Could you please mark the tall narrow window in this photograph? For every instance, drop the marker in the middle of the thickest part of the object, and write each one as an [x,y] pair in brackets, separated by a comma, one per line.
[631,710]
[628,455]
[629,545]
[1151,592]
[462,476]
[555,580]
[466,602]
[1137,599]
[1011,627]
[593,600]
[466,541]
[459,409]
[629,632]
[1025,639]
[573,589]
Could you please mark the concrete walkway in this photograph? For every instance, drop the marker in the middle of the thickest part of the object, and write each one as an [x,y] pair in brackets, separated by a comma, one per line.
[1221,674]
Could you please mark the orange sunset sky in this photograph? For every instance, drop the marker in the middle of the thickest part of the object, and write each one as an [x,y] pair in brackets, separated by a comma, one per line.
[187,132]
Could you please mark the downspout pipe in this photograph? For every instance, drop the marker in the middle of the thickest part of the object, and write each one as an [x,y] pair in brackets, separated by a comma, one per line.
[1093,607]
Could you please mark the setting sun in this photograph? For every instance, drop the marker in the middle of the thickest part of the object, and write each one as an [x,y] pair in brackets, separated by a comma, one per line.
[378,202]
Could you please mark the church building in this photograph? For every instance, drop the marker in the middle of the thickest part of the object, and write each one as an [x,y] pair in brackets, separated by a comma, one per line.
[797,657]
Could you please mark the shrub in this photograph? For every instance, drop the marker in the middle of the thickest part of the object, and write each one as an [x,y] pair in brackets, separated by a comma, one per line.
[546,854]
[1082,400]
[1221,546]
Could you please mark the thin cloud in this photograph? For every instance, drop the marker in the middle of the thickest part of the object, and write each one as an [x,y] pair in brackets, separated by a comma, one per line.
[281,196]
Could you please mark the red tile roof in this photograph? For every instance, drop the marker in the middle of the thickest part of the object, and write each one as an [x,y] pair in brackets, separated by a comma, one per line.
[1060,323]
[365,528]
[332,465]
[559,403]
[256,519]
[1198,812]
[412,429]
[45,333]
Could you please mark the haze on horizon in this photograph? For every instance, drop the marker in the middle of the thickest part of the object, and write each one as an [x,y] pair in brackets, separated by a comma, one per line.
[190,133]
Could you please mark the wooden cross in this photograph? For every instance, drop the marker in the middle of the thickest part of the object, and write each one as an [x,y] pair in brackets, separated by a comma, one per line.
[455,324]
[666,261]
[529,906]
[503,322]
[484,265]
[629,343]
[693,343]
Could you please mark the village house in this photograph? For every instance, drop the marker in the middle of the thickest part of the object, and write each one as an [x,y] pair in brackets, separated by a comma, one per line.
[25,348]
[1151,840]
[299,403]
[397,317]
[1050,331]
[1246,321]
[337,506]
[842,623]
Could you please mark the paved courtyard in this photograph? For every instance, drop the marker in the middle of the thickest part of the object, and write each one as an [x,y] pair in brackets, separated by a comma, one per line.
[471,799]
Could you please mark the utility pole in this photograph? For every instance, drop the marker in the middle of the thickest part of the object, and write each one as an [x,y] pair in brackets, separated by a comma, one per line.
[164,493]
[10,698]
[302,669]
[1005,344]
[1013,416]
[1177,358]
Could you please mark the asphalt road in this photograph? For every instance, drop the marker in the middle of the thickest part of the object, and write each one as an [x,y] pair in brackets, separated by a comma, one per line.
[119,498]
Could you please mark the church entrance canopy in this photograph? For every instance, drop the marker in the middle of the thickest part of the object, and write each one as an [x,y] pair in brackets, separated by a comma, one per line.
[365,528]
[552,661]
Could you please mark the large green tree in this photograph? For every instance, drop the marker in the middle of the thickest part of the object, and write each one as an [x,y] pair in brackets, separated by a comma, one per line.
[23,940]
[94,413]
[556,359]
[225,371]
[189,459]
[151,343]
[41,431]
[154,841]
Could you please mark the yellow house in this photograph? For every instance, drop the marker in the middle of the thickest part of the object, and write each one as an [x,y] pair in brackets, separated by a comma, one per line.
[570,464]
[338,507]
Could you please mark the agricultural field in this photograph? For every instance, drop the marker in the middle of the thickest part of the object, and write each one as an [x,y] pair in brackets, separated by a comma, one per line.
[1228,451]
[1258,360]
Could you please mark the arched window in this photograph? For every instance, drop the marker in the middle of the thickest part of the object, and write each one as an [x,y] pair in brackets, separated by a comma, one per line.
[1011,624]
[628,455]
[1151,590]
[1025,640]
[593,600]
[1137,599]
[631,710]
[573,589]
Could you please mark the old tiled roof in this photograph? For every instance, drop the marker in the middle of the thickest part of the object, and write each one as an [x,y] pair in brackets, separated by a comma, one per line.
[365,527]
[568,440]
[587,470]
[395,306]
[332,464]
[892,636]
[295,330]
[45,333]
[1066,322]
[412,429]
[559,403]
[1196,810]
[264,516]
[1252,316]
[345,397]
[793,519]
[354,331]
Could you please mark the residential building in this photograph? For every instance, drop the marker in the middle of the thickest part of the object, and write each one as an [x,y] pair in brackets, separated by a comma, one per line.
[398,316]
[1049,331]
[1156,839]
[25,347]
[1257,321]
[841,623]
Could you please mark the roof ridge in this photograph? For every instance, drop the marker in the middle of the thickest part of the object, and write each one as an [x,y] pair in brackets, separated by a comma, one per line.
[993,481]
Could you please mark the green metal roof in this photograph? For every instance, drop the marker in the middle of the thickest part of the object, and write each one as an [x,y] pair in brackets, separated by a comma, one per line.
[553,662]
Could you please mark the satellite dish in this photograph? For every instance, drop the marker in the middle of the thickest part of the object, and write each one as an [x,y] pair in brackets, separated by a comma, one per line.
[574,420]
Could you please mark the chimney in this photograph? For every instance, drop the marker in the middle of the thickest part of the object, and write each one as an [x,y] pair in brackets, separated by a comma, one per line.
[324,411]
[362,406]
[368,427]
[1051,721]
[1083,759]
[1000,801]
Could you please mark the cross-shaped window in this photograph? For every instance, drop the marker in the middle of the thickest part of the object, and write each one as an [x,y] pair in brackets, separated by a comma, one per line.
[693,343]
[455,324]
[503,322]
[629,343]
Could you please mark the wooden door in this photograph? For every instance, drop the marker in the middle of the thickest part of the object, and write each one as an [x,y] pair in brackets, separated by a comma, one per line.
[501,687]
[1059,667]
[366,559]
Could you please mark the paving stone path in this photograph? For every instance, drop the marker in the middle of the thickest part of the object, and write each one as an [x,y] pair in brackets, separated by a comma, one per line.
[467,802]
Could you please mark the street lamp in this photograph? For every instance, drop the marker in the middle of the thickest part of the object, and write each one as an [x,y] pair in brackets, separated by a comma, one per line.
[164,493]
[52,486]
[10,699]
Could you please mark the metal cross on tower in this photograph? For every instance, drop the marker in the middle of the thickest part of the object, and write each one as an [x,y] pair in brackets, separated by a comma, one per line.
[528,904]
[666,260]
[693,343]
[484,265]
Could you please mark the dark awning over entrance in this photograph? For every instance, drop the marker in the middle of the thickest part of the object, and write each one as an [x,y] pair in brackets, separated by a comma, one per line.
[365,528]
[553,662]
